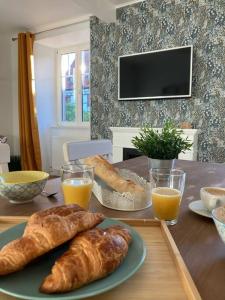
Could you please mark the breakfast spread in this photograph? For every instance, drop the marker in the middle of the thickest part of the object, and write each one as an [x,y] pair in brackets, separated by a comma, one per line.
[92,255]
[45,231]
[110,175]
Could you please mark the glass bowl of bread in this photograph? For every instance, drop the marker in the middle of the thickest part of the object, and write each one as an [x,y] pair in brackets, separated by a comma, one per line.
[22,186]
[118,189]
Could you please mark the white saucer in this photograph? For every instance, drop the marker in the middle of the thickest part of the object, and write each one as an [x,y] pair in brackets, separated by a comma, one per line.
[198,208]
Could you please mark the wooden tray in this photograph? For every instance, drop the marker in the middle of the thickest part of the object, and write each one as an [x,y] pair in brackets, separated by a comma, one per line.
[162,276]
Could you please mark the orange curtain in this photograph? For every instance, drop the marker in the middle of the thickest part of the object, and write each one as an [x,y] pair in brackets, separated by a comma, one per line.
[28,126]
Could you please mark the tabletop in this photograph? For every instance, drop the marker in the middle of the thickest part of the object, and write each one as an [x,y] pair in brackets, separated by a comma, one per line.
[195,236]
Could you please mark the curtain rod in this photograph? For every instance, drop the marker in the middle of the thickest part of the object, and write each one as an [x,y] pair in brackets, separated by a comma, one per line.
[63,26]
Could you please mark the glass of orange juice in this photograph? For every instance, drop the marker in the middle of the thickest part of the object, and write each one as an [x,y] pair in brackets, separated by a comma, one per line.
[167,186]
[77,182]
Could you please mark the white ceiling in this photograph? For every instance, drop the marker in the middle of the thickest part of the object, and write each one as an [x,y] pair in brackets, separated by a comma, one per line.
[35,15]
[67,36]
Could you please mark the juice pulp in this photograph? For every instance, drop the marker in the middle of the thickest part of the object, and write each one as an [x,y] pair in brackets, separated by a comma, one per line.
[78,191]
[165,203]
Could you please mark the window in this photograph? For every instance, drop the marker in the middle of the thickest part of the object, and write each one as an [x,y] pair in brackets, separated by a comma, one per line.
[74,86]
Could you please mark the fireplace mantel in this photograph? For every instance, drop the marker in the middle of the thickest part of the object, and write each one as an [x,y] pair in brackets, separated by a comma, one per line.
[122,137]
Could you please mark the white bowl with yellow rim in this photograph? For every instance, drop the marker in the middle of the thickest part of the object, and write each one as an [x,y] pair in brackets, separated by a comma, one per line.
[22,186]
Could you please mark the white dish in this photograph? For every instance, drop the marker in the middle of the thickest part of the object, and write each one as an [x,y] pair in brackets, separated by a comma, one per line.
[198,208]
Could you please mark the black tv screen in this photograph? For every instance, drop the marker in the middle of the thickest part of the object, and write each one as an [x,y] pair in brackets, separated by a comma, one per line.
[156,74]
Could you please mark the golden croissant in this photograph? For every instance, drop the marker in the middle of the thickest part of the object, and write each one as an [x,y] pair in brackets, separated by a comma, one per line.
[44,231]
[92,255]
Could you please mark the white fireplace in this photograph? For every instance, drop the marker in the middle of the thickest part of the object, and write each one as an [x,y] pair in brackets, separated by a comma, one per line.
[122,137]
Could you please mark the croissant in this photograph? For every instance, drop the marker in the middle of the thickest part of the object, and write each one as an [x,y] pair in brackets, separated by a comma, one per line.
[92,255]
[110,175]
[44,231]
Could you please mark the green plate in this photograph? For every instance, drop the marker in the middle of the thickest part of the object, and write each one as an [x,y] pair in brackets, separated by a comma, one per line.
[25,284]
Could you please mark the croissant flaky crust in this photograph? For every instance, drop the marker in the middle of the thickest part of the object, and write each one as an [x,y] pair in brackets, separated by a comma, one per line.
[92,255]
[44,231]
[110,175]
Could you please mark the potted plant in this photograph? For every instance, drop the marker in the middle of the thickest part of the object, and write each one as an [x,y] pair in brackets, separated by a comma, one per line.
[163,146]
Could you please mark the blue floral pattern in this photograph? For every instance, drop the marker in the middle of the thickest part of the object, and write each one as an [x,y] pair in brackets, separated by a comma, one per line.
[151,25]
[220,228]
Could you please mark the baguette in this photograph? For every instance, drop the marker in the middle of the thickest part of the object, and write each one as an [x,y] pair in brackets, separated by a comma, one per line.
[92,255]
[44,231]
[108,173]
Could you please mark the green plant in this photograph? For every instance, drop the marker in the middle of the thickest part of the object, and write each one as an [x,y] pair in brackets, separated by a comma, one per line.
[166,144]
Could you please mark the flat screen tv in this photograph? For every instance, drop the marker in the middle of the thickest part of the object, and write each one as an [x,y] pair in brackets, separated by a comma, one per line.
[157,74]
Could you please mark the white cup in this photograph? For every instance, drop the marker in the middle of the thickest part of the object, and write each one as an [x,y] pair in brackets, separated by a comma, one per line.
[212,197]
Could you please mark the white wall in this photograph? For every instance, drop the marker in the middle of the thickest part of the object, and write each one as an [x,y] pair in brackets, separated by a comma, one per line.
[45,78]
[53,136]
[45,74]
[6,116]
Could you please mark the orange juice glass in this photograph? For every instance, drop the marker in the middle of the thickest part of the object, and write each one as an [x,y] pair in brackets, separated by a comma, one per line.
[77,182]
[167,188]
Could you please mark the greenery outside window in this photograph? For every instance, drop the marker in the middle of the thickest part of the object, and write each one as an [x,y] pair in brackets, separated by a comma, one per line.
[74,86]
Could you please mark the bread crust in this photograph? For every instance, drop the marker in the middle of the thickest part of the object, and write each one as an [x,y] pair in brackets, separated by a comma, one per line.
[44,231]
[109,174]
[92,255]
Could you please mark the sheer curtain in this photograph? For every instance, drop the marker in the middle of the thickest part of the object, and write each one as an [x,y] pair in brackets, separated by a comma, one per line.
[28,126]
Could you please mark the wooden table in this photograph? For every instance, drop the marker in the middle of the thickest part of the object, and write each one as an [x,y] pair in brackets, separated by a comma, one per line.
[195,236]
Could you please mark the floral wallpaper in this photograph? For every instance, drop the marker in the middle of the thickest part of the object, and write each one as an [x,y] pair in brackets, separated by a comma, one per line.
[157,24]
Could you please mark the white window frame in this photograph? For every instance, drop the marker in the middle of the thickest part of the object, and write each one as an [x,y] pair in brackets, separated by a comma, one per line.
[78,117]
